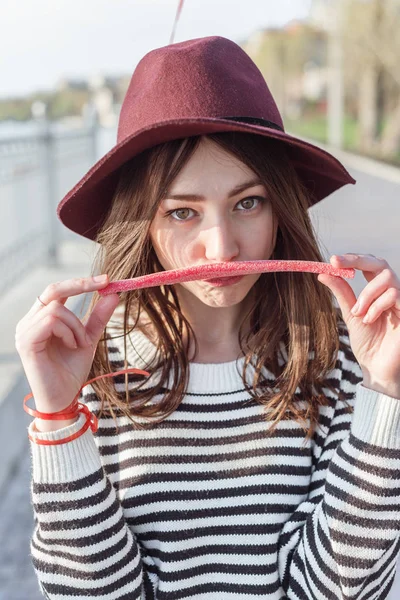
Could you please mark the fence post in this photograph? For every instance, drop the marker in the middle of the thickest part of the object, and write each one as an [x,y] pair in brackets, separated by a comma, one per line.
[51,192]
[91,119]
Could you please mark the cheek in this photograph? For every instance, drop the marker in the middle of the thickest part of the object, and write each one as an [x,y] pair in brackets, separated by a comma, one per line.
[168,246]
[157,241]
[260,234]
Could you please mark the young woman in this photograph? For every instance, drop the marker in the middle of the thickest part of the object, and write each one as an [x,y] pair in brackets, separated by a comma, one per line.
[258,455]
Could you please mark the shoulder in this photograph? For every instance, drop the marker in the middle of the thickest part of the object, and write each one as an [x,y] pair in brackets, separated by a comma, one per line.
[335,418]
[346,373]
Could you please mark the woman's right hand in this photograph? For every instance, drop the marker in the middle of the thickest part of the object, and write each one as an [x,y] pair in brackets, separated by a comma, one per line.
[45,340]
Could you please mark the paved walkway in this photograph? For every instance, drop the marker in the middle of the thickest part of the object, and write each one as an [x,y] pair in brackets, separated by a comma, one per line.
[17,577]
[346,222]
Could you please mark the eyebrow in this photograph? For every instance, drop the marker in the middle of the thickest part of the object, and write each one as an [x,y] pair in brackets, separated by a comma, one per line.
[198,198]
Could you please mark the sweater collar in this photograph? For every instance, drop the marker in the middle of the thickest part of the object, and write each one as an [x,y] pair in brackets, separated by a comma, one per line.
[204,378]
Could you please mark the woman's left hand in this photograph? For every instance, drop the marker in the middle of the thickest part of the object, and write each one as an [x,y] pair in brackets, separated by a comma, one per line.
[376,344]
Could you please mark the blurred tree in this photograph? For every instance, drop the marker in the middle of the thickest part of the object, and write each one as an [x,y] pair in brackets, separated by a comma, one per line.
[295,56]
[372,47]
[281,56]
[67,103]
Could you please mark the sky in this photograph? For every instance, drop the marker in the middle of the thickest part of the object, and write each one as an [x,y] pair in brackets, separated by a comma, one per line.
[42,41]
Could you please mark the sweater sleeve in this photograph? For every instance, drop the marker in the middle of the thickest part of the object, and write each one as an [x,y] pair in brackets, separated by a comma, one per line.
[343,541]
[82,546]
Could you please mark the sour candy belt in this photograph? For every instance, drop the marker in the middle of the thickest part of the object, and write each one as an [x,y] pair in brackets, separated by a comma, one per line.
[218,270]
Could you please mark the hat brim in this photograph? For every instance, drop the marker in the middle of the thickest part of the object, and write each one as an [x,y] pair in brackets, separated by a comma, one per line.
[84,207]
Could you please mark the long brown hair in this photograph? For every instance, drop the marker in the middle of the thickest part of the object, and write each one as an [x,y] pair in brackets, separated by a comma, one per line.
[292,318]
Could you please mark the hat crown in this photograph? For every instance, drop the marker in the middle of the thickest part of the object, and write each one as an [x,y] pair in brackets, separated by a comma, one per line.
[209,77]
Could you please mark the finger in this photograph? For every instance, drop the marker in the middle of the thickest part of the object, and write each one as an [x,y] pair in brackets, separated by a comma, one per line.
[37,338]
[100,316]
[64,314]
[62,290]
[62,331]
[367,263]
[390,299]
[342,291]
[71,320]
[373,290]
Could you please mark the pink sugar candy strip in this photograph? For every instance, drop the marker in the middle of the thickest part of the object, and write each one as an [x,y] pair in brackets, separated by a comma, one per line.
[244,267]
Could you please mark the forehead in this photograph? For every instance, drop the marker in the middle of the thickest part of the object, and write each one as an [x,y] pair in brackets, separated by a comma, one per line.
[210,165]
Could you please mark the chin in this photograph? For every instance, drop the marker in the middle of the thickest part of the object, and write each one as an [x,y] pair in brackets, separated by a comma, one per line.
[220,302]
[223,296]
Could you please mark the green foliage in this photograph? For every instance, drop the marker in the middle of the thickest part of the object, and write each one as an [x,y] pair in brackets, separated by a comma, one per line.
[67,103]
[312,127]
[60,104]
[18,110]
[315,127]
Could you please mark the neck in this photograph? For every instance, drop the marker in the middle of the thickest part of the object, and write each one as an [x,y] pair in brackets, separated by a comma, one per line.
[216,329]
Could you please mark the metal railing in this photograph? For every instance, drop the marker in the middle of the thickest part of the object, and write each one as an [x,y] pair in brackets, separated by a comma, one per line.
[36,171]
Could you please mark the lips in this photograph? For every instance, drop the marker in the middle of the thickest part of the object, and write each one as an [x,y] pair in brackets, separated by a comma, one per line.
[224,280]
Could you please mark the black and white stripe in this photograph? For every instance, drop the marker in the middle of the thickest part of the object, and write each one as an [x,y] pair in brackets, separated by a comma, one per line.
[204,505]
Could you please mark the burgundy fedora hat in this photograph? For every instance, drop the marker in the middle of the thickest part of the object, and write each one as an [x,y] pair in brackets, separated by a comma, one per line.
[195,87]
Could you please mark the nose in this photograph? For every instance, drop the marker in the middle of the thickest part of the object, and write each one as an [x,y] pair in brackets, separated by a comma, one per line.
[220,244]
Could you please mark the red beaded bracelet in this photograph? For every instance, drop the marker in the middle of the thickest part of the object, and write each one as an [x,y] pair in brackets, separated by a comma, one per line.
[72,411]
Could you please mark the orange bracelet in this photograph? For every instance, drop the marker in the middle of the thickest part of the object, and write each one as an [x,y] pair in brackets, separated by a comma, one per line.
[72,411]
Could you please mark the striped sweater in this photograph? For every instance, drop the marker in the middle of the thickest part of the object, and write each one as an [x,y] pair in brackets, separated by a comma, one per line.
[206,506]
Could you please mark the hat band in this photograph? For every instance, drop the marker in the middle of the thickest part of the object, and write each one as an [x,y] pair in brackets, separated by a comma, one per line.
[256,121]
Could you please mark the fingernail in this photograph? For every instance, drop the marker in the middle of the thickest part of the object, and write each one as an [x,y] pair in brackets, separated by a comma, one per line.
[355,308]
[100,278]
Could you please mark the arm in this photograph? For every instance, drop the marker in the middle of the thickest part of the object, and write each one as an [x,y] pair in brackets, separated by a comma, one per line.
[343,541]
[81,544]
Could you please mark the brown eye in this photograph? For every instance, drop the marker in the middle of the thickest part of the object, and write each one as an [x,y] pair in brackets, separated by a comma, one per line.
[248,203]
[182,214]
[184,211]
[179,212]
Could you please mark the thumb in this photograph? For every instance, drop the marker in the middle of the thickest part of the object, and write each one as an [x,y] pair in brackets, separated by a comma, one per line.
[100,316]
[342,291]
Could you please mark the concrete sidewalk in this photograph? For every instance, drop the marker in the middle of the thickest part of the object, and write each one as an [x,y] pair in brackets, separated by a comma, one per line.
[76,258]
